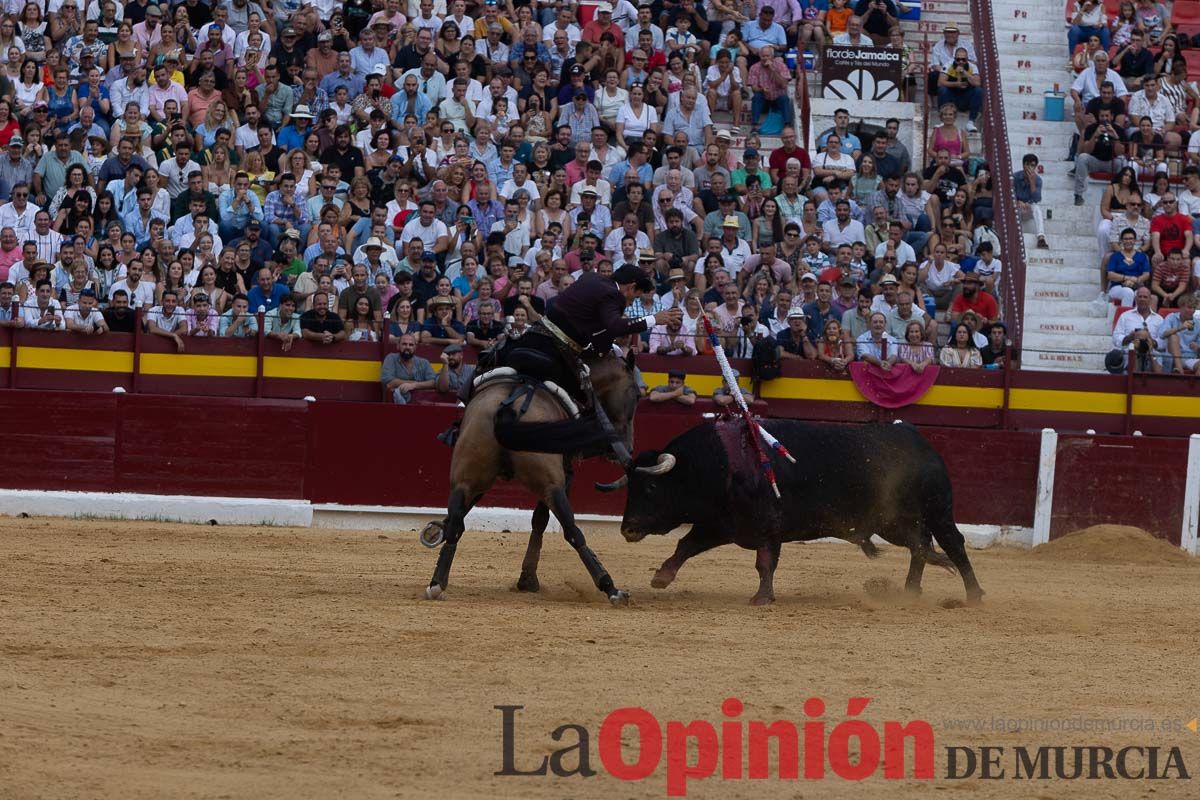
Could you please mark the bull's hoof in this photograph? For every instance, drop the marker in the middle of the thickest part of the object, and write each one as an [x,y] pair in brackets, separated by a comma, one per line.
[762,599]
[432,534]
[528,583]
[434,592]
[619,597]
[662,579]
[975,598]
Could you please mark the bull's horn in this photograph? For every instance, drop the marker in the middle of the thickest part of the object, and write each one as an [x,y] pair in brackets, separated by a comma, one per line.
[665,463]
[619,483]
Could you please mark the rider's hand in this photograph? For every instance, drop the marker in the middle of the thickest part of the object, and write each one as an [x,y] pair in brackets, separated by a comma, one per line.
[668,315]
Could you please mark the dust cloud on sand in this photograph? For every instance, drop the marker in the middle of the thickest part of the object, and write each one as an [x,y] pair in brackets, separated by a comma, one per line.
[150,660]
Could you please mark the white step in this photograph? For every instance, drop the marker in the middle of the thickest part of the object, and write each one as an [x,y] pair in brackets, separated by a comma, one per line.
[1050,309]
[1073,342]
[1066,244]
[1068,324]
[1062,362]
[1062,274]
[1082,292]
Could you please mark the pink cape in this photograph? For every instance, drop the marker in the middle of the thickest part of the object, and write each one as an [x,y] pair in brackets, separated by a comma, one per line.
[894,388]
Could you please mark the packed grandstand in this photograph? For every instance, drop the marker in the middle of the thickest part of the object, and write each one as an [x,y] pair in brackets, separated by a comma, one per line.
[434,174]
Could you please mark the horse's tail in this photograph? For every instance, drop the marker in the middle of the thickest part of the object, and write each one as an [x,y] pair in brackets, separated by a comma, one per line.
[572,436]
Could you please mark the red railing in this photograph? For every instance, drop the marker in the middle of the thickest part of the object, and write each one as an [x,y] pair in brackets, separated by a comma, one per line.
[996,149]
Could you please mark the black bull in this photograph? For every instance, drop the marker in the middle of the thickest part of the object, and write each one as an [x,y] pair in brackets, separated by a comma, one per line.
[849,482]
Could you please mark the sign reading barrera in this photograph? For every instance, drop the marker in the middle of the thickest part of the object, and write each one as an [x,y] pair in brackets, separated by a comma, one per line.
[861,73]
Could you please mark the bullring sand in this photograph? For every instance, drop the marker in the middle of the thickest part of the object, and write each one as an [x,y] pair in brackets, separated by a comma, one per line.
[150,660]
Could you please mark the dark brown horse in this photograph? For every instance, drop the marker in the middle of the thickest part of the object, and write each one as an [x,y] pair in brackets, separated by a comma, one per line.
[479,459]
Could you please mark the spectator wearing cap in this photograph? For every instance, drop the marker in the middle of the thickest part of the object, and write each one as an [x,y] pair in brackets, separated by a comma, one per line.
[722,397]
[754,168]
[961,84]
[601,24]
[676,390]
[714,221]
[322,58]
[148,33]
[590,215]
[454,374]
[797,340]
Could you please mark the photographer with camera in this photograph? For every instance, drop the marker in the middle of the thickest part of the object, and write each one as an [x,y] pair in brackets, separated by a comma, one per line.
[1100,150]
[1140,329]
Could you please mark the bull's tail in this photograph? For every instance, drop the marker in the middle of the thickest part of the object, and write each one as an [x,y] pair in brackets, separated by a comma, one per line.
[938,559]
[869,549]
[564,437]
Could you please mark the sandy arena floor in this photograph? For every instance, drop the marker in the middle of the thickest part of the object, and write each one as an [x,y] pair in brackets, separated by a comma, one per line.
[143,660]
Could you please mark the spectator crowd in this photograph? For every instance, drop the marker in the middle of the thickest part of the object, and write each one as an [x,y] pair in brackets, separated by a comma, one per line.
[1136,117]
[446,168]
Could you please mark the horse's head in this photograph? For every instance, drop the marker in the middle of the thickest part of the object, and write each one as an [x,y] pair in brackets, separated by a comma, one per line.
[615,387]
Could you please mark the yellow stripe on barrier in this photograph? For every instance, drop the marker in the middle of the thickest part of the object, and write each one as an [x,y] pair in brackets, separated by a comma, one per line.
[76,360]
[1065,400]
[5,357]
[321,369]
[963,397]
[1161,405]
[197,366]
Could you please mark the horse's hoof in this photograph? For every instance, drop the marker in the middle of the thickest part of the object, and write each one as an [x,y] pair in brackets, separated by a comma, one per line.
[662,579]
[620,597]
[433,592]
[432,534]
[762,600]
[528,584]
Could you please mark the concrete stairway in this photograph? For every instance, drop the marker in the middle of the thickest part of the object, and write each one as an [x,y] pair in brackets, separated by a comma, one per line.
[1066,326]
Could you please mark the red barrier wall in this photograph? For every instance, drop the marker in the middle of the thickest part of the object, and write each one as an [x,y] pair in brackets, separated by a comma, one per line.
[1119,480]
[380,454]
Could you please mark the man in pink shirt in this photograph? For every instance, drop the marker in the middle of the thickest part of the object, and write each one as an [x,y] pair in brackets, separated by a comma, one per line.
[165,89]
[148,33]
[10,251]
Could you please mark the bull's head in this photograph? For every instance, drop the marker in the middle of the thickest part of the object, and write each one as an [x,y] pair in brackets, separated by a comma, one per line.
[650,497]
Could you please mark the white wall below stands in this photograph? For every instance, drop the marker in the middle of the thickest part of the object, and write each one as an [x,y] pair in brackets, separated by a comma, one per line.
[302,514]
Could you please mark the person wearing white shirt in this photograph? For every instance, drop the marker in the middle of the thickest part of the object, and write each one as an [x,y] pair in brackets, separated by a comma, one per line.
[141,292]
[48,241]
[1087,84]
[1149,102]
[603,189]
[516,184]
[842,229]
[565,22]
[122,93]
[1140,323]
[42,311]
[20,219]
[940,277]
[83,316]
[904,252]
[425,226]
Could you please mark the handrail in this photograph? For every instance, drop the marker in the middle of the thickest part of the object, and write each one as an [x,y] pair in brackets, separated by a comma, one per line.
[803,107]
[1006,219]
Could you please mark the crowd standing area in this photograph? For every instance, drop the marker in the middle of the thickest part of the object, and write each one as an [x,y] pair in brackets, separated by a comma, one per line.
[447,169]
[1137,110]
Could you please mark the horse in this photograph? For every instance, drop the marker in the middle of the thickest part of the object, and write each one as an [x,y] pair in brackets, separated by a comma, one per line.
[543,466]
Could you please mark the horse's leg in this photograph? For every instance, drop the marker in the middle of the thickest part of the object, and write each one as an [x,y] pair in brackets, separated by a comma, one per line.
[456,513]
[528,582]
[561,507]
